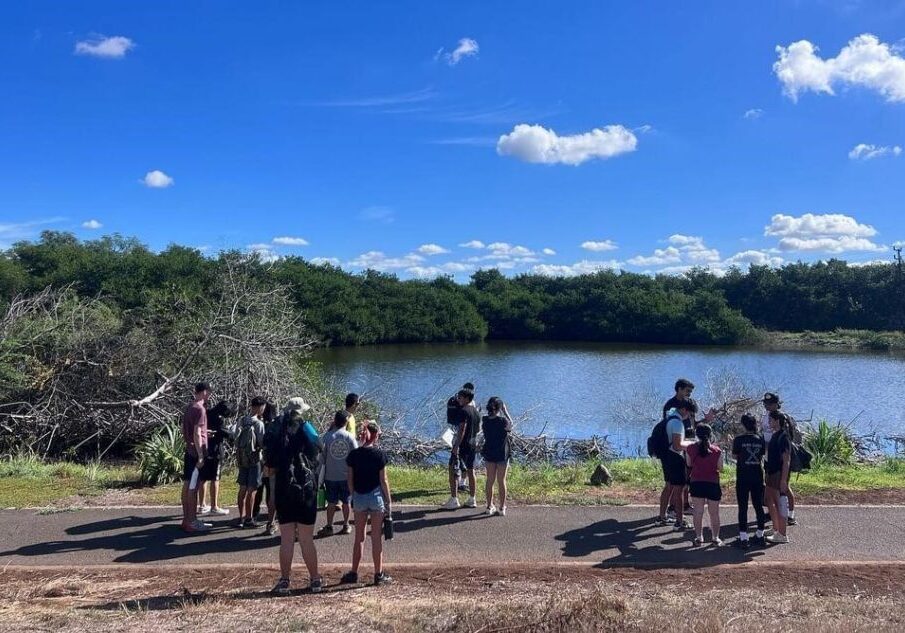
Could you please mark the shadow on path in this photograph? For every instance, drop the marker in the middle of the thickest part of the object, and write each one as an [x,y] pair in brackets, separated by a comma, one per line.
[414,520]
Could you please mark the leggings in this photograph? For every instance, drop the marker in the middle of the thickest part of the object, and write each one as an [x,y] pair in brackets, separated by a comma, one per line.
[261,493]
[754,488]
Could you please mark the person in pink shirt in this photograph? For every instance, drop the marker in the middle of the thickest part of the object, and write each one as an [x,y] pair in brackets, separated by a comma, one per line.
[194,432]
[706,463]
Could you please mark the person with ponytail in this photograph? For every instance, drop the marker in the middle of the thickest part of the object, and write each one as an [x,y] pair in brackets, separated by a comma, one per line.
[706,463]
[748,450]
[779,461]
[497,427]
[367,479]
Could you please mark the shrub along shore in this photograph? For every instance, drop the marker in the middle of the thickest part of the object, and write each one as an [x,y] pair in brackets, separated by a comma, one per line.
[27,482]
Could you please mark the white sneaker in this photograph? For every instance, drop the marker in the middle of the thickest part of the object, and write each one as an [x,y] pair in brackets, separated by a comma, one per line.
[471,503]
[717,542]
[777,539]
[452,504]
[491,510]
[201,526]
[220,512]
[503,511]
[204,510]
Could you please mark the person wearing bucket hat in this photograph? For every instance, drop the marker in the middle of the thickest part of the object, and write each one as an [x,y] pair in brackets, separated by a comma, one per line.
[292,455]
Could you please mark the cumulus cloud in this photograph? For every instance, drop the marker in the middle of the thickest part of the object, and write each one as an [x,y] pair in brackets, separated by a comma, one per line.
[467,47]
[476,244]
[753,113]
[549,252]
[753,258]
[114,47]
[428,272]
[829,233]
[290,241]
[377,260]
[683,252]
[584,267]
[321,261]
[598,247]
[864,151]
[432,249]
[156,179]
[536,144]
[504,249]
[660,257]
[92,225]
[865,61]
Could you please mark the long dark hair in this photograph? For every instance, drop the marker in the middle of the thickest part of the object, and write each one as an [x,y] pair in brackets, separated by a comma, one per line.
[703,433]
[749,422]
[494,406]
[782,418]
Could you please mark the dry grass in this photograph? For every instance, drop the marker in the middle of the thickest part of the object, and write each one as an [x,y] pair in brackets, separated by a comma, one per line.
[553,599]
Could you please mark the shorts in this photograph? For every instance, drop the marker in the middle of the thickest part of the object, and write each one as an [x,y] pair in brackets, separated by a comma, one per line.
[773,480]
[369,502]
[337,491]
[705,490]
[210,471]
[290,511]
[465,458]
[189,462]
[674,469]
[250,476]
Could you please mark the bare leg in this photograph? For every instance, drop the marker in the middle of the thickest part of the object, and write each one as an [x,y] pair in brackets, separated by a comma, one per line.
[200,493]
[331,513]
[346,510]
[472,482]
[188,504]
[361,525]
[240,501]
[215,494]
[249,503]
[713,507]
[664,500]
[309,552]
[698,517]
[453,482]
[488,487]
[501,471]
[287,548]
[377,540]
[678,502]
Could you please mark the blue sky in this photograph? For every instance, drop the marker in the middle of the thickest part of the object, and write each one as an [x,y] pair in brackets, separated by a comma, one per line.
[359,132]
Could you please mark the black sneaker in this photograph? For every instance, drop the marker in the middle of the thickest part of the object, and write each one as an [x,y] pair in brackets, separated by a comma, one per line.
[349,578]
[682,526]
[792,521]
[316,585]
[327,530]
[382,579]
[742,544]
[251,523]
[759,541]
[281,588]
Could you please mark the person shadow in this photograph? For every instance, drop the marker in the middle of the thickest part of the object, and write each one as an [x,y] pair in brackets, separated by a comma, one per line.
[642,543]
[405,521]
[157,540]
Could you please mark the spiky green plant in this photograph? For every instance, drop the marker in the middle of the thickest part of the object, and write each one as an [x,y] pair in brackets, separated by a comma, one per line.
[160,456]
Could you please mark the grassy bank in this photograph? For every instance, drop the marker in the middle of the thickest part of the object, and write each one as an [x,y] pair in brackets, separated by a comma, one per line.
[834,339]
[26,482]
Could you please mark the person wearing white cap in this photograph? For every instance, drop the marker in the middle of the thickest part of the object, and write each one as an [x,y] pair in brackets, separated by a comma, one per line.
[292,454]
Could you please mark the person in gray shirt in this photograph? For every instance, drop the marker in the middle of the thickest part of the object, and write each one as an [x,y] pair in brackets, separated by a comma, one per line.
[337,443]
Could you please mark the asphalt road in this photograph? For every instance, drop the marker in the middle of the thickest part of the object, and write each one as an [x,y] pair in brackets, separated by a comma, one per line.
[604,536]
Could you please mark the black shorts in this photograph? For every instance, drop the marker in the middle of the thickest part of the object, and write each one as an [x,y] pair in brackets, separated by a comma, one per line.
[705,490]
[466,457]
[292,511]
[674,469]
[189,462]
[210,471]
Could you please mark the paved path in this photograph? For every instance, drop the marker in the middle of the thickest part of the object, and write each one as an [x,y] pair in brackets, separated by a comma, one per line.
[595,535]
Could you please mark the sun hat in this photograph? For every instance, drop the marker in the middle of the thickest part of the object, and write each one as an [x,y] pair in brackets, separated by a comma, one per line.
[297,404]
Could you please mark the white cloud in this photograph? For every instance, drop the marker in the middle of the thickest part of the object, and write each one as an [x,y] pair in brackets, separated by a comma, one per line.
[644,129]
[598,247]
[92,225]
[264,252]
[828,244]
[320,261]
[156,179]
[467,47]
[536,144]
[290,241]
[114,47]
[377,260]
[865,61]
[661,257]
[864,151]
[548,252]
[753,113]
[812,225]
[753,258]
[428,272]
[683,252]
[504,249]
[584,267]
[432,249]
[476,244]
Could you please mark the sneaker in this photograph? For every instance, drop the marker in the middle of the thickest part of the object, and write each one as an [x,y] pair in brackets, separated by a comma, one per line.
[698,541]
[471,503]
[462,487]
[768,534]
[681,526]
[316,585]
[759,541]
[491,510]
[281,588]
[251,523]
[204,510]
[742,543]
[671,516]
[349,578]
[271,529]
[240,523]
[327,530]
[663,521]
[346,529]
[201,526]
[777,539]
[689,509]
[792,521]
[717,542]
[452,504]
[382,579]
[219,512]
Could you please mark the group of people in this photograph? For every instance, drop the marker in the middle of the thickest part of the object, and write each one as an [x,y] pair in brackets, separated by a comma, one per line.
[282,458]
[692,464]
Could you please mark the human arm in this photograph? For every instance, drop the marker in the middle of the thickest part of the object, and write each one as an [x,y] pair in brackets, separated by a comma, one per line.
[786,466]
[198,437]
[385,489]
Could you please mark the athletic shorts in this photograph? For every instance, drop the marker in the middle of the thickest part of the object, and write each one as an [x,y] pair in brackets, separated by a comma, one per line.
[293,512]
[674,469]
[189,462]
[250,476]
[705,490]
[210,471]
[337,491]
[465,459]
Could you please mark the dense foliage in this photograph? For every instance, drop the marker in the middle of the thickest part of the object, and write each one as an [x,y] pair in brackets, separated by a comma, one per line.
[372,307]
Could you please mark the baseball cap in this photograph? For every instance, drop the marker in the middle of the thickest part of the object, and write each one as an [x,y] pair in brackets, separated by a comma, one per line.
[771,398]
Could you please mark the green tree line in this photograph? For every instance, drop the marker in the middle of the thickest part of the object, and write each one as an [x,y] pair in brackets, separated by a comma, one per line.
[343,308]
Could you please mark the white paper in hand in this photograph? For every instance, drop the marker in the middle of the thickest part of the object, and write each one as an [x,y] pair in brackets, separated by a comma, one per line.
[193,483]
[448,437]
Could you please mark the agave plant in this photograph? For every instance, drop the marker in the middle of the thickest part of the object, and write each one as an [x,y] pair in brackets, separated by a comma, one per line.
[830,444]
[160,456]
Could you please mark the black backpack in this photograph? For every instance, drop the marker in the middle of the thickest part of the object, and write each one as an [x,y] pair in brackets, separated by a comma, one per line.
[800,459]
[658,443]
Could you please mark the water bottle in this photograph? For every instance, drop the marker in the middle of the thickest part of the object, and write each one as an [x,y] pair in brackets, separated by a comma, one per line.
[388,527]
[784,506]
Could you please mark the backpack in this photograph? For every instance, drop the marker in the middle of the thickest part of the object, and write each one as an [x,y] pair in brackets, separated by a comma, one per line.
[301,466]
[248,452]
[800,459]
[658,443]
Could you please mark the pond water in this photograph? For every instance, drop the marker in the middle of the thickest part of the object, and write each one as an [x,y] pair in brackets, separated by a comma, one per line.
[578,390]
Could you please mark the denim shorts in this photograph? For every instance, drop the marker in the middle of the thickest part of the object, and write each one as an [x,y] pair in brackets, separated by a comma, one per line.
[337,491]
[369,502]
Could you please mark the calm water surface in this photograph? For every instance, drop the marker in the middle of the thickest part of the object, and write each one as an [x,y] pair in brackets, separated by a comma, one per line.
[583,389]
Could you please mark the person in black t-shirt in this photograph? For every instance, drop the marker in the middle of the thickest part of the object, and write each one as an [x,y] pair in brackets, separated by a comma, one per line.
[779,459]
[218,437]
[463,449]
[367,479]
[749,450]
[453,419]
[497,427]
